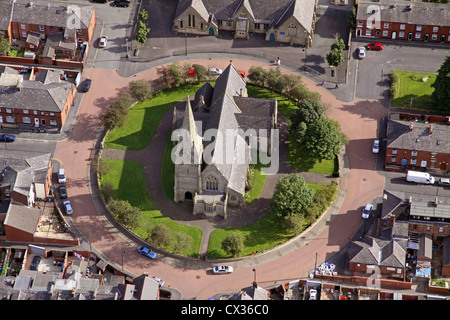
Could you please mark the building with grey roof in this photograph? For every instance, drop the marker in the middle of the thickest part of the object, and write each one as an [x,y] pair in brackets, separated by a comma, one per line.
[404,20]
[212,172]
[289,21]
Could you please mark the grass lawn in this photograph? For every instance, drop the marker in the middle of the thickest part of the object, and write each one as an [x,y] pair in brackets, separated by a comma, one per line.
[285,106]
[259,236]
[143,118]
[128,180]
[411,86]
[305,164]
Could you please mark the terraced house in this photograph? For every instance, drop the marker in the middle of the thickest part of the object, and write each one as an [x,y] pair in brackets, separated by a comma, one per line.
[288,21]
[403,20]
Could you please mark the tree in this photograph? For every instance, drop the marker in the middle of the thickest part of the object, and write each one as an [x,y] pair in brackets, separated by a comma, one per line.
[5,45]
[107,190]
[233,244]
[99,166]
[291,196]
[141,90]
[181,242]
[324,139]
[125,213]
[112,118]
[143,14]
[257,75]
[274,81]
[141,32]
[160,236]
[171,76]
[441,93]
[352,18]
[336,55]
[293,223]
[200,71]
[308,111]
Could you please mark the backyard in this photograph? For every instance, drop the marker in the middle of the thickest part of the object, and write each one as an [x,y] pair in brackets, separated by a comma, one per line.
[412,89]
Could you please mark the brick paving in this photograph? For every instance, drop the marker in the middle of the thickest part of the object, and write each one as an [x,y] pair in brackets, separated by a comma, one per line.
[190,276]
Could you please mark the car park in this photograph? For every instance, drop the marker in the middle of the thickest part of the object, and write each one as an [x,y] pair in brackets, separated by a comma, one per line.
[444,182]
[7,137]
[375,46]
[223,269]
[68,207]
[215,70]
[63,192]
[361,52]
[376,146]
[367,211]
[121,3]
[147,252]
[35,262]
[87,85]
[103,41]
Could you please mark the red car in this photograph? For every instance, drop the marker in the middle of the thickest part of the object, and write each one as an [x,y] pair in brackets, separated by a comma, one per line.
[191,73]
[375,46]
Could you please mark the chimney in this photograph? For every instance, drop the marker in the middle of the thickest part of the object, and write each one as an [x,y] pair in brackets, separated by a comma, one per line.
[240,92]
[411,126]
[431,129]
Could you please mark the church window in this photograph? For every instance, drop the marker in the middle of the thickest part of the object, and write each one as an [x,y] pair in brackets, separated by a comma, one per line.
[212,184]
[292,29]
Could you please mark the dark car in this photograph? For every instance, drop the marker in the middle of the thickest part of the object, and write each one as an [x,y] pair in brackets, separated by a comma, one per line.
[35,263]
[375,46]
[100,1]
[87,85]
[7,137]
[122,3]
[63,192]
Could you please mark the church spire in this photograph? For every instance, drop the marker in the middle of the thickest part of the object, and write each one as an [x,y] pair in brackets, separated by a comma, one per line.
[188,121]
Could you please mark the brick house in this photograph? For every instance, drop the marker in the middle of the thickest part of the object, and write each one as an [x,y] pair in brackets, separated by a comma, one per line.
[379,256]
[25,176]
[404,20]
[43,101]
[417,146]
[288,21]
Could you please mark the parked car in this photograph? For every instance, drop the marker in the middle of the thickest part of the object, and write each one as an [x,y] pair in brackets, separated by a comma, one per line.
[7,138]
[313,294]
[35,263]
[121,3]
[444,182]
[191,73]
[361,52]
[242,73]
[367,211]
[376,146]
[375,46]
[147,252]
[63,192]
[103,41]
[68,207]
[223,269]
[87,85]
[215,70]
[100,1]
[61,175]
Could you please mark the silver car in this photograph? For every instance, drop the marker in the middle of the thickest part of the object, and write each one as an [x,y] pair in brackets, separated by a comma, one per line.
[223,269]
[103,41]
[361,52]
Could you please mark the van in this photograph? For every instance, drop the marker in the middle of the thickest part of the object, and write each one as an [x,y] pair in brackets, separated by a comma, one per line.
[62,176]
[419,177]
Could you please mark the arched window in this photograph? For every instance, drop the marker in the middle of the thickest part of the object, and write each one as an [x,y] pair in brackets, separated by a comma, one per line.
[212,183]
[292,29]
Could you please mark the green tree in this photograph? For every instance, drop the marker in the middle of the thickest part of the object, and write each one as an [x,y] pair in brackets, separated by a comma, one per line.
[141,90]
[160,236]
[5,46]
[107,190]
[141,32]
[324,139]
[99,166]
[308,111]
[291,196]
[274,80]
[171,76]
[125,213]
[200,71]
[335,58]
[293,223]
[441,93]
[143,14]
[233,244]
[257,75]
[352,18]
[181,242]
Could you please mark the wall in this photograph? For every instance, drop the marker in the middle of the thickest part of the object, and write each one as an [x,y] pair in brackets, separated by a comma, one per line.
[366,281]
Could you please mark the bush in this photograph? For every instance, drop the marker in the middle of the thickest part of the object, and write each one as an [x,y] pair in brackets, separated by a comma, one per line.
[125,213]
[233,244]
[141,90]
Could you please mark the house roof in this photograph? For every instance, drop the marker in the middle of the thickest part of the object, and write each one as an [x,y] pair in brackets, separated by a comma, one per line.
[429,209]
[432,137]
[373,251]
[422,13]
[5,16]
[22,218]
[54,14]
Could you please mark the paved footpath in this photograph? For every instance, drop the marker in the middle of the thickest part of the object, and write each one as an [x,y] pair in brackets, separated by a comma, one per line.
[362,184]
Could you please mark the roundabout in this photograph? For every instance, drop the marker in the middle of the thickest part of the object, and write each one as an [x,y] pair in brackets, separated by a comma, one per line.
[290,261]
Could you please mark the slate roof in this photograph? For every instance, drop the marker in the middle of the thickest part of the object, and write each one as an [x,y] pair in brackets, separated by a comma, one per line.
[420,138]
[5,16]
[54,14]
[22,218]
[422,13]
[373,251]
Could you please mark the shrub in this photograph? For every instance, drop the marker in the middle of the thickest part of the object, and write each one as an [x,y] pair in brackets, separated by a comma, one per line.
[141,90]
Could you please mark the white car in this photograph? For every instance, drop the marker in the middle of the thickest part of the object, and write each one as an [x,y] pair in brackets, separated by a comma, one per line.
[215,70]
[367,211]
[103,41]
[313,294]
[223,269]
[376,146]
[361,52]
[444,182]
[68,207]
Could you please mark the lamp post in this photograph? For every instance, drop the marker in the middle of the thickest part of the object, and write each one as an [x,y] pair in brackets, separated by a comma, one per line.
[123,251]
[254,275]
[126,42]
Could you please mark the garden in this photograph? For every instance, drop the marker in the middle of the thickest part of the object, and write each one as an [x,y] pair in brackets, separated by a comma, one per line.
[132,122]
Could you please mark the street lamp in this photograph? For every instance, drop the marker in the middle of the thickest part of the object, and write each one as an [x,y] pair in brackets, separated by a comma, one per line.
[123,251]
[254,275]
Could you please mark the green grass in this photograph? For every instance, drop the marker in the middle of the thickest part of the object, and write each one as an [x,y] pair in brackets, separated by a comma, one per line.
[143,119]
[410,86]
[306,164]
[264,234]
[128,180]
[285,106]
[257,183]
